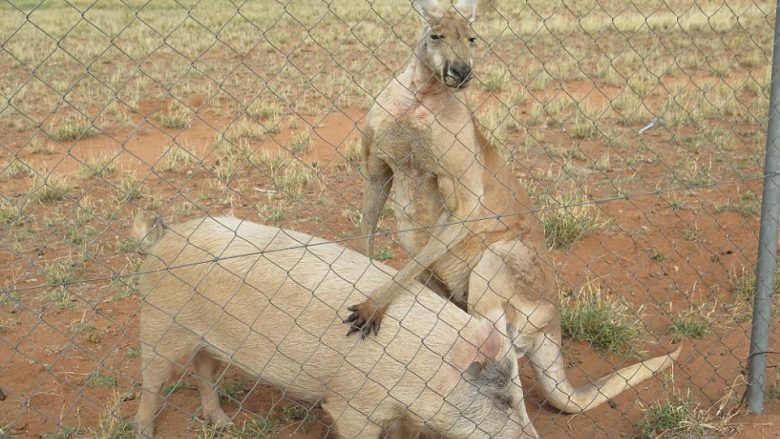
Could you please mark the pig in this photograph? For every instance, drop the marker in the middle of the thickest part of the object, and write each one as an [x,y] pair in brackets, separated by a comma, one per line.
[267,300]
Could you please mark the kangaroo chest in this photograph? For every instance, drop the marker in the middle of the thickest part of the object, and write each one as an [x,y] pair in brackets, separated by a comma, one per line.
[416,150]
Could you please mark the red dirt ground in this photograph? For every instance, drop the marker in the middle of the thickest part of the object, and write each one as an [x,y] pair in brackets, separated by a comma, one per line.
[45,364]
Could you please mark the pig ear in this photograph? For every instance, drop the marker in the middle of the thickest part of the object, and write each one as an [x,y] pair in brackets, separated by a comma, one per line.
[427,9]
[468,8]
[490,342]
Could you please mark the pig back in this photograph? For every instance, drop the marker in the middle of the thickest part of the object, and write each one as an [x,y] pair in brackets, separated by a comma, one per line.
[272,301]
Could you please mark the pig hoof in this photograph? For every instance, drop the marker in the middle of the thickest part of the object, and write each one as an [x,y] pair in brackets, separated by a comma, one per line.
[364,318]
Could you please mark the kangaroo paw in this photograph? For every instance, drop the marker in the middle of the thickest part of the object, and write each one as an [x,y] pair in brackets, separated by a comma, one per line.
[365,317]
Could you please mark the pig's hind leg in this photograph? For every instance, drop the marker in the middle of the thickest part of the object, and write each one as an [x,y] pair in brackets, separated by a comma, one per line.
[157,361]
[204,366]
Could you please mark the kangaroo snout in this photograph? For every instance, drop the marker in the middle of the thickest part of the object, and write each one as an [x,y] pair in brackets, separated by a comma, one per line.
[457,74]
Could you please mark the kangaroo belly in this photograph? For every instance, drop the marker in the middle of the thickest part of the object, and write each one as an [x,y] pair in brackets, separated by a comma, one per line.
[417,207]
[405,144]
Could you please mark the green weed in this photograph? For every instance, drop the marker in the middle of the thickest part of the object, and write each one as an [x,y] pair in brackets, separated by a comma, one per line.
[96,379]
[606,323]
[690,327]
[672,419]
[568,223]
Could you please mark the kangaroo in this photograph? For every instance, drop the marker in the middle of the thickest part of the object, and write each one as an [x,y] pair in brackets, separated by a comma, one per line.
[462,214]
[267,300]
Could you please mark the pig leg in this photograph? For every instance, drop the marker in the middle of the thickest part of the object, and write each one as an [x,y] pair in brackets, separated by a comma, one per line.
[348,422]
[204,366]
[156,370]
[162,345]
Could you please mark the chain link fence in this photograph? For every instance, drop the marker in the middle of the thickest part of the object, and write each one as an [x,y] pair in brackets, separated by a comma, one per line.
[638,130]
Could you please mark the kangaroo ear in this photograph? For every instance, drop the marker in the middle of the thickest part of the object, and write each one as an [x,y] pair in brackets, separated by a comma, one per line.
[427,9]
[468,8]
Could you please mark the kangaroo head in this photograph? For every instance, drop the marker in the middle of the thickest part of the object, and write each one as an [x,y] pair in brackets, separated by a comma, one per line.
[446,46]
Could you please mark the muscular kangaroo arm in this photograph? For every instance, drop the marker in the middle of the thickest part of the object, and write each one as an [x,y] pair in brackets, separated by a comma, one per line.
[450,231]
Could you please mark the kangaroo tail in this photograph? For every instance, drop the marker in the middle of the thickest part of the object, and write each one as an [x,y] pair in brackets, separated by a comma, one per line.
[547,362]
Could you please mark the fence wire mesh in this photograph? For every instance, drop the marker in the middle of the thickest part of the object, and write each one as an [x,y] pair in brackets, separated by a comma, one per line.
[638,130]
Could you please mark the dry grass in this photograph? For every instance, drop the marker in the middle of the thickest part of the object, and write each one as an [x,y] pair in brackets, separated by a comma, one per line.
[97,166]
[16,169]
[72,128]
[681,416]
[177,117]
[47,187]
[178,158]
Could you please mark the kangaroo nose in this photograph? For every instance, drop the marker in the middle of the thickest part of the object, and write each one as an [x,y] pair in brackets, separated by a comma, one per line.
[460,70]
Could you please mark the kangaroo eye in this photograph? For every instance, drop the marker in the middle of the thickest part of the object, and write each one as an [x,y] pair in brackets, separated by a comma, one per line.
[437,36]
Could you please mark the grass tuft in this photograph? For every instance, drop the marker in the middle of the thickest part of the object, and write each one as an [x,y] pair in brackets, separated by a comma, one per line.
[672,419]
[231,391]
[96,379]
[494,83]
[743,283]
[584,128]
[9,213]
[690,327]
[58,272]
[384,254]
[129,188]
[176,158]
[16,169]
[177,117]
[112,424]
[39,146]
[293,179]
[97,166]
[67,433]
[261,110]
[227,169]
[300,143]
[773,391]
[49,188]
[257,427]
[607,324]
[73,128]
[568,223]
[354,152]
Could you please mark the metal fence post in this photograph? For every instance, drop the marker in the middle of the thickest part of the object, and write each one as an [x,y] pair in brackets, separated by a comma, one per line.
[767,243]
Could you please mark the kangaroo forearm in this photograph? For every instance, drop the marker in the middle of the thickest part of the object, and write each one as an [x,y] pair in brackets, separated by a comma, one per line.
[438,245]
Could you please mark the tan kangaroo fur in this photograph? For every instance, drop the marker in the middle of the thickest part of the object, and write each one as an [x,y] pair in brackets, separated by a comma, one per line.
[270,305]
[473,238]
